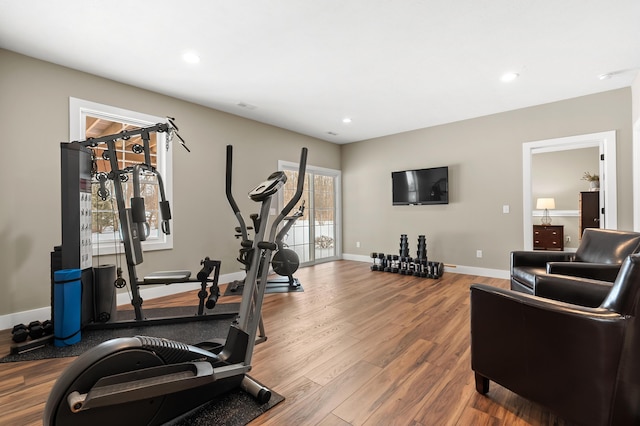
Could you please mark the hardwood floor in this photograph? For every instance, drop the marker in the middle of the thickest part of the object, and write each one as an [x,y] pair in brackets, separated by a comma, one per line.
[355,348]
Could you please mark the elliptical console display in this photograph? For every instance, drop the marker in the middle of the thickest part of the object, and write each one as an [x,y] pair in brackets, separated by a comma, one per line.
[269,187]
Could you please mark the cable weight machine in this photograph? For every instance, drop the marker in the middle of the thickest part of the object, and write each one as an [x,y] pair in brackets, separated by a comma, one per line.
[78,165]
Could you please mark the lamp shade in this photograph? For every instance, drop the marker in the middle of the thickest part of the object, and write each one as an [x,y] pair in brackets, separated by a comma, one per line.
[546,203]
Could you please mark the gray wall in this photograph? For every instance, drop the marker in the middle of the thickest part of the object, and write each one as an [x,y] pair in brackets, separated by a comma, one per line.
[34,109]
[484,156]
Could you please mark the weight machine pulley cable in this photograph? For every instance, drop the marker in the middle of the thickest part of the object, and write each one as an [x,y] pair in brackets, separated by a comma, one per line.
[104,194]
[171,129]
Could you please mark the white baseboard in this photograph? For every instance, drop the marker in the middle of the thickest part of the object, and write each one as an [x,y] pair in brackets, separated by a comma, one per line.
[356,257]
[457,269]
[41,314]
[481,272]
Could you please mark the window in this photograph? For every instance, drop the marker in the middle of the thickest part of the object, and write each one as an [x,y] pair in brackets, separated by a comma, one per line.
[89,119]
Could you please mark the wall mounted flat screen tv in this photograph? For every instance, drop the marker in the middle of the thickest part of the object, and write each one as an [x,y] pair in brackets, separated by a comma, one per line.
[424,186]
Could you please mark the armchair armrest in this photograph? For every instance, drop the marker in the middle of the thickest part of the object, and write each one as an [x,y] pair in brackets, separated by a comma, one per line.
[596,271]
[525,342]
[575,290]
[538,258]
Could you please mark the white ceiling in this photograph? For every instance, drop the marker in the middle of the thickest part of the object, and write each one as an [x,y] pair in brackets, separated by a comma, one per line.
[304,65]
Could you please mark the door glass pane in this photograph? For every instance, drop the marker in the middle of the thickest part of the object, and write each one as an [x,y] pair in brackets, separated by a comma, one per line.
[297,239]
[324,215]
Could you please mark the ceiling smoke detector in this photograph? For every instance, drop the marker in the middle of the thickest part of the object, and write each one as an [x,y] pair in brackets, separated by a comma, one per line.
[608,75]
[246,105]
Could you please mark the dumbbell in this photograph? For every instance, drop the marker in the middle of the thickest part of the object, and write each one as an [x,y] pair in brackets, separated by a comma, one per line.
[395,265]
[20,333]
[403,265]
[35,329]
[47,326]
[374,265]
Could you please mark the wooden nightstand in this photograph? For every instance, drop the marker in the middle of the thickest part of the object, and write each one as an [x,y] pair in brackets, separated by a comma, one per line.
[548,237]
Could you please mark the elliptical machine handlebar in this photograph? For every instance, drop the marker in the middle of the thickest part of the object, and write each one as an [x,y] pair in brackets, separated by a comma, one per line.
[285,211]
[267,189]
[302,168]
[232,201]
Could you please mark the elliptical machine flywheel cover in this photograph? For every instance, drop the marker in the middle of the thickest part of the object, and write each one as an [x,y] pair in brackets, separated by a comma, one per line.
[285,262]
[58,412]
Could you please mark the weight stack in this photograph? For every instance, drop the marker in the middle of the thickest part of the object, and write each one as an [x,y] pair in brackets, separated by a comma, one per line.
[105,293]
[68,307]
[422,247]
[404,246]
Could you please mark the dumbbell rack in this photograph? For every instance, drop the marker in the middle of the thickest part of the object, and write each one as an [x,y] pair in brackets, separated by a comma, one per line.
[38,334]
[403,264]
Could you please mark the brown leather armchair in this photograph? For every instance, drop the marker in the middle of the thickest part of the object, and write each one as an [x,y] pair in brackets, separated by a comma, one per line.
[580,362]
[598,257]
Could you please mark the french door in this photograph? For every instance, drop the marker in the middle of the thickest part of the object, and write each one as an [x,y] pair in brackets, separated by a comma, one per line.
[316,235]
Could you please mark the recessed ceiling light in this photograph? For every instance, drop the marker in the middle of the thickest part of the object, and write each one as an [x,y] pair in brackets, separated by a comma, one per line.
[346,120]
[191,57]
[510,76]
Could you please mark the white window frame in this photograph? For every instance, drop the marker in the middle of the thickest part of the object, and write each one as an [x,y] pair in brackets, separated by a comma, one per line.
[78,111]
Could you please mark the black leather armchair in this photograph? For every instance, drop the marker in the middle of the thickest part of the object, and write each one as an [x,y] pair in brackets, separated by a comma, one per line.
[598,257]
[580,362]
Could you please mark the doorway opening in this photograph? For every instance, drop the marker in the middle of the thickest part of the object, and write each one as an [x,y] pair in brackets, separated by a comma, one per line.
[606,143]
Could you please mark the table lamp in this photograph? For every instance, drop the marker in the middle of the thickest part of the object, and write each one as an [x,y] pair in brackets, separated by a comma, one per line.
[546,204]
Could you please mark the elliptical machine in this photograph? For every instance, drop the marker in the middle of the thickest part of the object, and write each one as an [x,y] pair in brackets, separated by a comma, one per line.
[150,381]
[285,262]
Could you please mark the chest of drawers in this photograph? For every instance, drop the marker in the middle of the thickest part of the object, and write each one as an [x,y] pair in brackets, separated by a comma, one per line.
[548,237]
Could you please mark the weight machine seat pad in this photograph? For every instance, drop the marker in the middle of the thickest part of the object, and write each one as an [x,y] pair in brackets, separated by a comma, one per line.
[167,277]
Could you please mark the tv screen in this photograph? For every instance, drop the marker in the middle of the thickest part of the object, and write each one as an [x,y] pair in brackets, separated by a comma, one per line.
[424,186]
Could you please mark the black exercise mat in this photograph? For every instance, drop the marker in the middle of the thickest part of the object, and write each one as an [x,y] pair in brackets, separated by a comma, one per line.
[188,332]
[234,408]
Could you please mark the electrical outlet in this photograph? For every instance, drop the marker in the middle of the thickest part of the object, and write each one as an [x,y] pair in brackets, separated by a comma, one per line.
[358,244]
[505,208]
[478,253]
